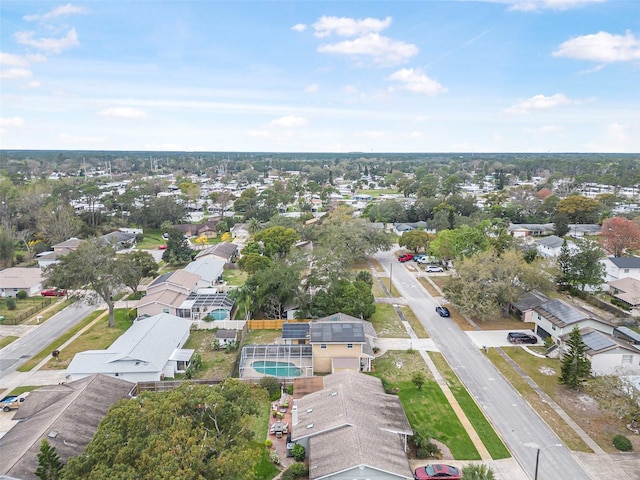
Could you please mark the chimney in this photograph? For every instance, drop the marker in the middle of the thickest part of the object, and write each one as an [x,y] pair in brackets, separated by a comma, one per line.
[294,415]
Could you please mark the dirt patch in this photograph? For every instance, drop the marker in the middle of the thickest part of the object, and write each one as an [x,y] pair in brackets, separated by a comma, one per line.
[547,371]
[445,453]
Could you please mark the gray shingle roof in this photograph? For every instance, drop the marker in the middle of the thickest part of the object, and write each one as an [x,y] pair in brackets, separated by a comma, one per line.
[354,422]
[73,410]
[625,262]
[552,241]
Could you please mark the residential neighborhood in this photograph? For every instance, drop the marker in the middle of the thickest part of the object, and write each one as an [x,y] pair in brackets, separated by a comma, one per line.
[324,283]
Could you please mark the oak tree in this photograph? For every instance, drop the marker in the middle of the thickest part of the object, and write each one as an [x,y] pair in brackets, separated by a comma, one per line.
[620,235]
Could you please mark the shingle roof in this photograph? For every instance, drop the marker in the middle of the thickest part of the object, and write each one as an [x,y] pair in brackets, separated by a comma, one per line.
[625,262]
[225,250]
[209,269]
[73,410]
[352,422]
[529,300]
[551,241]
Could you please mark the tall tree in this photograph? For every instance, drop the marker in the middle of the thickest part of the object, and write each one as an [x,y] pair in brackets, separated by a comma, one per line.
[277,240]
[576,367]
[135,266]
[416,240]
[619,235]
[6,247]
[581,268]
[616,394]
[489,282]
[178,251]
[49,464]
[579,209]
[191,432]
[92,267]
[59,223]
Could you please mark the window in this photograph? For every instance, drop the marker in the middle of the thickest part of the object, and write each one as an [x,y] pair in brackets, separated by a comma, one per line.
[165,310]
[626,270]
[349,345]
[627,359]
[323,345]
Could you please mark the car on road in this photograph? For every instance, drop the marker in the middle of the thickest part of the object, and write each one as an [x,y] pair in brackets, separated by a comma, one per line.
[405,257]
[53,292]
[437,471]
[521,337]
[433,268]
[443,311]
[11,402]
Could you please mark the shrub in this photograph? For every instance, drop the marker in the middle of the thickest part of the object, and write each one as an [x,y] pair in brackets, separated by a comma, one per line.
[478,471]
[274,458]
[11,303]
[290,389]
[132,314]
[19,258]
[622,443]
[295,471]
[268,443]
[271,385]
[21,295]
[298,452]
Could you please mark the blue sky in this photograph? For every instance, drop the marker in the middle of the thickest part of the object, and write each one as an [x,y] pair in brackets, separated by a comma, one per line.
[315,76]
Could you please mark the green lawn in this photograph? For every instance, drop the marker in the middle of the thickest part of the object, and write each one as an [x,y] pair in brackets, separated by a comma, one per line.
[98,337]
[4,341]
[234,277]
[265,470]
[30,306]
[259,337]
[377,193]
[152,238]
[215,364]
[427,409]
[46,351]
[387,323]
[414,322]
[23,388]
[487,434]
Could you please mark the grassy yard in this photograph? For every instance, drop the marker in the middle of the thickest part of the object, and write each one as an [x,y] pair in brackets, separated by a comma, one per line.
[428,287]
[234,277]
[265,470]
[98,337]
[387,323]
[376,265]
[377,290]
[414,322]
[377,193]
[427,409]
[49,312]
[215,364]
[259,337]
[4,341]
[487,434]
[599,424]
[46,351]
[152,238]
[25,309]
[564,431]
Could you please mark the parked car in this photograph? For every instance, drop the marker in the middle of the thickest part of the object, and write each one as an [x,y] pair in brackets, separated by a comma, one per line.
[433,268]
[521,337]
[53,292]
[11,402]
[419,258]
[405,258]
[162,247]
[443,311]
[437,471]
[424,259]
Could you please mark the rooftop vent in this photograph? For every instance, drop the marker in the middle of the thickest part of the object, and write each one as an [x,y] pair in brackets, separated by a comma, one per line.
[52,434]
[309,410]
[310,425]
[333,394]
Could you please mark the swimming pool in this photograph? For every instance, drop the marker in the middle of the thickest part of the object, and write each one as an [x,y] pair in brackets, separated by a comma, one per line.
[276,369]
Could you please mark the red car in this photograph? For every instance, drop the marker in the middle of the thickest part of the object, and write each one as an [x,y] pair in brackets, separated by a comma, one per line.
[437,471]
[53,292]
[162,247]
[405,258]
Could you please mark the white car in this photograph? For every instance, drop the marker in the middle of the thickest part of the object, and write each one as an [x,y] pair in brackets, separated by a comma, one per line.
[433,268]
[424,259]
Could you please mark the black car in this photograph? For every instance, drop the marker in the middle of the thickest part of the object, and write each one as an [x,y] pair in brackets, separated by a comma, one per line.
[520,337]
[443,311]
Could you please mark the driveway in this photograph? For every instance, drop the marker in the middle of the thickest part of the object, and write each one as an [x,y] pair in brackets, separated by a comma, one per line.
[495,338]
[385,344]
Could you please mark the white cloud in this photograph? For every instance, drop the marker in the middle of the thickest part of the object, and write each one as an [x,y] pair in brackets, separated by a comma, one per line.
[417,82]
[380,49]
[601,47]
[61,11]
[350,89]
[540,102]
[312,88]
[535,5]
[11,122]
[544,129]
[349,27]
[415,134]
[75,140]
[13,60]
[49,45]
[289,121]
[15,73]
[124,112]
[299,27]
[33,84]
[374,134]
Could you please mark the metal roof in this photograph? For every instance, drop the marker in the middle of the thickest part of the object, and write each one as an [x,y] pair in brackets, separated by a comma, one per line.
[337,332]
[596,341]
[295,330]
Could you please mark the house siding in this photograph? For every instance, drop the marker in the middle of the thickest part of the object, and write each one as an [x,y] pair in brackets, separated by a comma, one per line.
[322,356]
[610,362]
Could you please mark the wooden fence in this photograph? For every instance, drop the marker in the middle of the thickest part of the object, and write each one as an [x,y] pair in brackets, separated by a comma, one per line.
[275,324]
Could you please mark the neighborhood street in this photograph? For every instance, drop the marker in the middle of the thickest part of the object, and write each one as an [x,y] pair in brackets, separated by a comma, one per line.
[35,339]
[517,423]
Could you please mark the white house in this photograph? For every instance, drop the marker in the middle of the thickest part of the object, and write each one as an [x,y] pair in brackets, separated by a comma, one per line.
[178,281]
[209,269]
[621,267]
[151,349]
[556,319]
[608,355]
[12,280]
[551,246]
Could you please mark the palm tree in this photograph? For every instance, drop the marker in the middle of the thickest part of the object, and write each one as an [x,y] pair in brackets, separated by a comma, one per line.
[254,226]
[478,471]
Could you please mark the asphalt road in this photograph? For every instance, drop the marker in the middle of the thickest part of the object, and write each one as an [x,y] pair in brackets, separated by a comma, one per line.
[518,424]
[18,352]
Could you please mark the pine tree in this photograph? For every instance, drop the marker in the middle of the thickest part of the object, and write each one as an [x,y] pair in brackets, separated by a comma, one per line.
[49,464]
[576,367]
[564,265]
